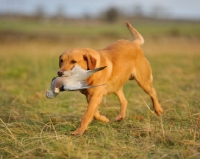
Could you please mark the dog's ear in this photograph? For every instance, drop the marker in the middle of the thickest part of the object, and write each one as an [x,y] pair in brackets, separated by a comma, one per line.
[91,61]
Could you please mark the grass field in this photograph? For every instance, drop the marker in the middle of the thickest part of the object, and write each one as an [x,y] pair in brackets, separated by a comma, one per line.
[32,126]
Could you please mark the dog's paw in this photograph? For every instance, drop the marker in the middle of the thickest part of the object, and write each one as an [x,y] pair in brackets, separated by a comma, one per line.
[102,118]
[119,117]
[78,131]
[159,111]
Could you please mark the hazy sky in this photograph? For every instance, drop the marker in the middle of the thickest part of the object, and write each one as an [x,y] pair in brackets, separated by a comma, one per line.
[173,8]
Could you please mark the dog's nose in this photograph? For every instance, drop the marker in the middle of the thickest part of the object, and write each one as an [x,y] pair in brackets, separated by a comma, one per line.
[60,73]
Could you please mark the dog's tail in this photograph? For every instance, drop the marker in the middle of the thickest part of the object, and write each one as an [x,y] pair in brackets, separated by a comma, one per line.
[138,37]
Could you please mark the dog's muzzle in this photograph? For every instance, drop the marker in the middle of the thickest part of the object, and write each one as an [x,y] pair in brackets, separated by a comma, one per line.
[60,73]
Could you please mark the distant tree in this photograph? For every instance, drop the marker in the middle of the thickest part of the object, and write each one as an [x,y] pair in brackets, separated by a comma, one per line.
[159,12]
[111,14]
[39,12]
[60,13]
[137,10]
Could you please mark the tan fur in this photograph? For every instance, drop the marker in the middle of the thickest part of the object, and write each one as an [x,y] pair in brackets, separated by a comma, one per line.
[124,60]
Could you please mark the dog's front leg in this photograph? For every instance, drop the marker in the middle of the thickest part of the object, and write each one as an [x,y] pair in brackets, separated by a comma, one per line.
[93,104]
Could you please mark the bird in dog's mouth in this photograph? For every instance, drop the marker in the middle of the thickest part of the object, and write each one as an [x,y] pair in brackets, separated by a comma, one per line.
[72,80]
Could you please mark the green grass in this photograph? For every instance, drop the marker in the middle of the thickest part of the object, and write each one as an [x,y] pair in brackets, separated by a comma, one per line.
[32,126]
[69,28]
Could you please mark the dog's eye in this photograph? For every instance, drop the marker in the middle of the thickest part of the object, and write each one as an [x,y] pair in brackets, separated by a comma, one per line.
[73,61]
[61,60]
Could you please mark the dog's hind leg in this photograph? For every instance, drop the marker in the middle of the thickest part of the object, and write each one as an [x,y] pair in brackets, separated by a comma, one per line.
[144,79]
[148,88]
[123,104]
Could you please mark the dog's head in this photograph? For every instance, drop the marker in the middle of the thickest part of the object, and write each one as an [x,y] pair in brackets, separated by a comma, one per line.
[86,58]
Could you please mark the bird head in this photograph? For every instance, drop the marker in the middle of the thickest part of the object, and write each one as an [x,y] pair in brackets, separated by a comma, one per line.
[50,94]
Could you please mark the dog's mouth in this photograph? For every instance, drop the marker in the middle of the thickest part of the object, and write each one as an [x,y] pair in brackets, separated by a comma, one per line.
[64,73]
[61,73]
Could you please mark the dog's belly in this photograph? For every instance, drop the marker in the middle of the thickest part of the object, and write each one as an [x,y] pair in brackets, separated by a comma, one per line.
[109,89]
[120,74]
[114,85]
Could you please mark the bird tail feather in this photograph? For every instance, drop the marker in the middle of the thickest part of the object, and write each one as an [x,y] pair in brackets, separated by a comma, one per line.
[96,70]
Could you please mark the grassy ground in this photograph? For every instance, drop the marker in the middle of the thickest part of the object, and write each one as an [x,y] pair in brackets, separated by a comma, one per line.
[32,126]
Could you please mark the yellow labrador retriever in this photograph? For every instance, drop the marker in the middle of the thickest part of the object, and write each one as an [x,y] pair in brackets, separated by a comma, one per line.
[125,60]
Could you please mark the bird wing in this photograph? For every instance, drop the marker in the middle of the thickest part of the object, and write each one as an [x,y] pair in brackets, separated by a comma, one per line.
[76,78]
[79,74]
[83,86]
[84,74]
[90,72]
[68,73]
[71,82]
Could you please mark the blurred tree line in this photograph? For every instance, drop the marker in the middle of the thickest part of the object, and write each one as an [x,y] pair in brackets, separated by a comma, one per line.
[110,15]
